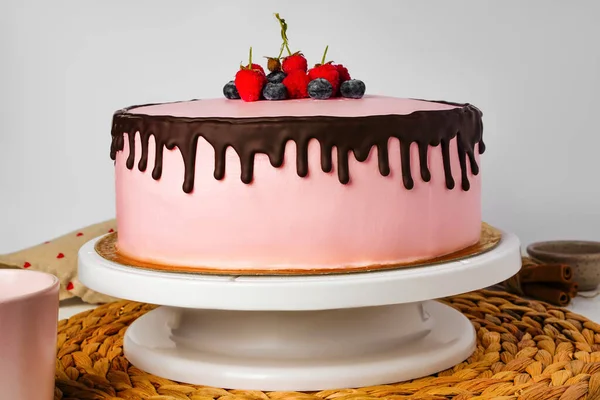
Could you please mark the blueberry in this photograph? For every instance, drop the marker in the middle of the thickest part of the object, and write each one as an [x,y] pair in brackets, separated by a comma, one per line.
[276,76]
[230,91]
[320,89]
[274,91]
[353,89]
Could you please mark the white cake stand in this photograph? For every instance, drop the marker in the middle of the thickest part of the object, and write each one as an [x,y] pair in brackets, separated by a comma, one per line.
[300,333]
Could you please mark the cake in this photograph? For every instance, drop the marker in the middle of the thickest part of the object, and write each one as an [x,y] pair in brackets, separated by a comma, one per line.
[297,184]
[298,170]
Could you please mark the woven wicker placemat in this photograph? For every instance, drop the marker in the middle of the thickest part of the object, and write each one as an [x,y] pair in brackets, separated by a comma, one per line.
[526,350]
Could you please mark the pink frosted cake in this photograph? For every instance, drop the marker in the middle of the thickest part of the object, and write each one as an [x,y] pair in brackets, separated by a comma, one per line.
[299,184]
[296,170]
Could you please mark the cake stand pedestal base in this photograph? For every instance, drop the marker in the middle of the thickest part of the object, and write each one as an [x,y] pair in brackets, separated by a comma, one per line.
[300,350]
[300,333]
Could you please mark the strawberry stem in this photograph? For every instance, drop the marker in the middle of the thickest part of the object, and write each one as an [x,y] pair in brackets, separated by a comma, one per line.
[324,55]
[288,49]
[283,25]
[250,59]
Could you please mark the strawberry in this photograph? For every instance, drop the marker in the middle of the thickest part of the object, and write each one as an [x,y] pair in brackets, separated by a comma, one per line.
[296,83]
[326,71]
[249,84]
[294,62]
[249,81]
[256,67]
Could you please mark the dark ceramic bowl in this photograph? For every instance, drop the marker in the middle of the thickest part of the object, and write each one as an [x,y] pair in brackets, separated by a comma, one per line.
[582,256]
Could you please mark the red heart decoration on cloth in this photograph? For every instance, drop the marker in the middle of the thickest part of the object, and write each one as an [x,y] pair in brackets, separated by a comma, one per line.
[26,265]
[79,234]
[70,286]
[60,255]
[111,231]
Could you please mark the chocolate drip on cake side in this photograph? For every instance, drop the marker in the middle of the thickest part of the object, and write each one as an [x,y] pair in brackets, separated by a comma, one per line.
[269,135]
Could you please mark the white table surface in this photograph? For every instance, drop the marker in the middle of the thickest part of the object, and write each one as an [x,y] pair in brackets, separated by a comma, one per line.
[589,307]
[73,306]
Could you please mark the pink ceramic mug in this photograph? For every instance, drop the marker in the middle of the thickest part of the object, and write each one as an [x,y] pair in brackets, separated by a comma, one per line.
[28,330]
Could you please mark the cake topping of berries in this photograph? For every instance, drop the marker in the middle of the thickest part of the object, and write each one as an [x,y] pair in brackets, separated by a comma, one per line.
[249,81]
[343,71]
[276,76]
[273,64]
[256,67]
[353,89]
[290,78]
[275,91]
[230,91]
[294,62]
[326,71]
[320,89]
[296,83]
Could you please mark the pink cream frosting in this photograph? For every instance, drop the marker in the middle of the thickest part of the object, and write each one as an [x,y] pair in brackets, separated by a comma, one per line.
[282,220]
[338,107]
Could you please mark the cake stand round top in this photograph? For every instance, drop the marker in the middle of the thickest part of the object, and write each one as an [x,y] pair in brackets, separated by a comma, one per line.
[287,293]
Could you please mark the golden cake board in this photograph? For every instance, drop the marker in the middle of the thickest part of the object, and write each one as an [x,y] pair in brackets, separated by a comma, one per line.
[526,350]
[107,248]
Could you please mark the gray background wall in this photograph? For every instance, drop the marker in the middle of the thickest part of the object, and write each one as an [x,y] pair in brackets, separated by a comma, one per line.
[531,66]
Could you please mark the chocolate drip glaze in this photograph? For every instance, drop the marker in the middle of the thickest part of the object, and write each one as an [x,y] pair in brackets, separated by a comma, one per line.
[269,135]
